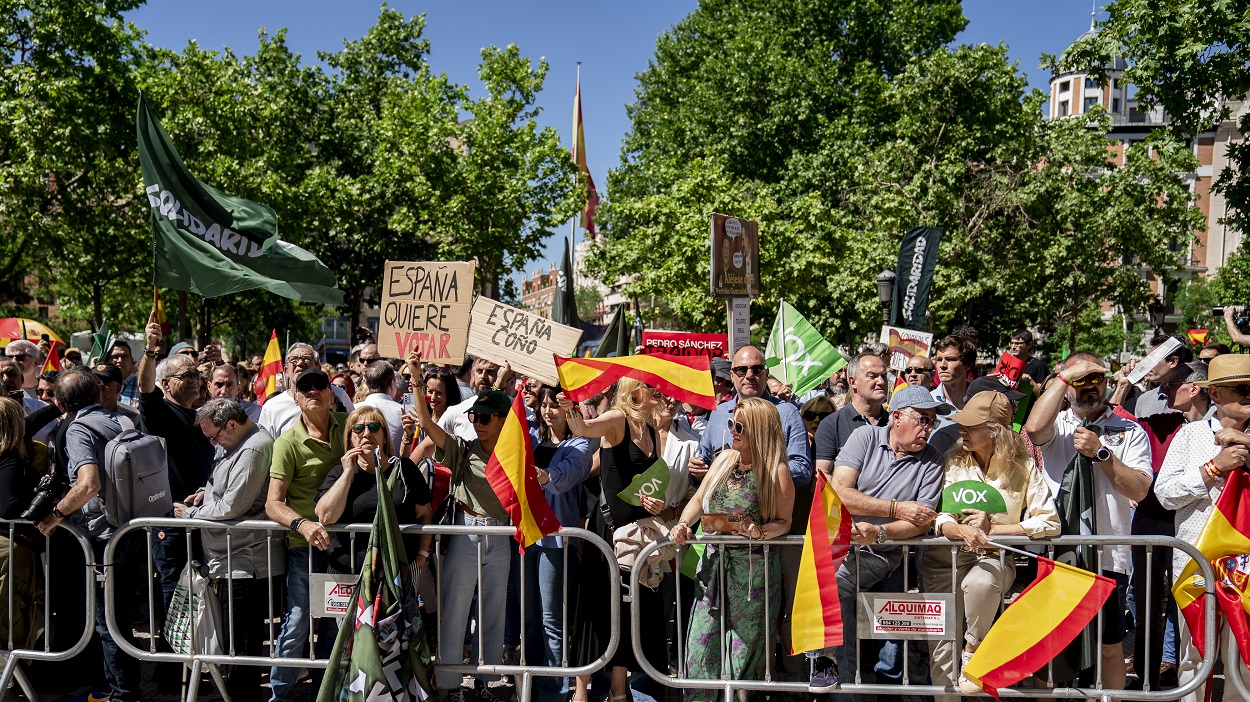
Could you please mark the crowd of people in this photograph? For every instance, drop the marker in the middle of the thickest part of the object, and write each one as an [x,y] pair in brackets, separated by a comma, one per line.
[887,439]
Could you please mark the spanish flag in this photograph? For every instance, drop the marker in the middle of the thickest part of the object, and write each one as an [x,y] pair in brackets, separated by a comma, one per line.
[514,478]
[1225,541]
[684,378]
[53,362]
[1198,337]
[270,369]
[587,220]
[1046,617]
[161,318]
[816,618]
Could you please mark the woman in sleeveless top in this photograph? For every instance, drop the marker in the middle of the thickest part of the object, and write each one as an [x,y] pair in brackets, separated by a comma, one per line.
[751,483]
[628,447]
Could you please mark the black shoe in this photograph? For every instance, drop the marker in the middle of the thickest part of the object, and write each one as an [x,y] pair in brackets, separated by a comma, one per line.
[824,675]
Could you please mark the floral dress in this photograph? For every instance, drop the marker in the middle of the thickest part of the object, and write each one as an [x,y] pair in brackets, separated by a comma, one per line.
[741,598]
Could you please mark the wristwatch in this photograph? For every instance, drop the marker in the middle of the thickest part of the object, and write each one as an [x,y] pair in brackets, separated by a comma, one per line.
[56,512]
[295,524]
[881,537]
[1104,454]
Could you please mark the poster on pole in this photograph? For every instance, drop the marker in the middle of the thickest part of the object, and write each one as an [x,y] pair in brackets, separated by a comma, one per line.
[525,340]
[739,324]
[685,343]
[425,306]
[905,343]
[735,257]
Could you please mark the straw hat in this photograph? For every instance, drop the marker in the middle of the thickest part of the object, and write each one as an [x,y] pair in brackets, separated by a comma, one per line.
[1227,369]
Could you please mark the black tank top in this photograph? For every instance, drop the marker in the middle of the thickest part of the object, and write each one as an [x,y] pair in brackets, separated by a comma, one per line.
[617,467]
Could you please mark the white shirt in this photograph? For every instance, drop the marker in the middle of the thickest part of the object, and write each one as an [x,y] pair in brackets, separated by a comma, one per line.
[392,411]
[940,394]
[1180,485]
[678,451]
[280,411]
[1128,441]
[455,419]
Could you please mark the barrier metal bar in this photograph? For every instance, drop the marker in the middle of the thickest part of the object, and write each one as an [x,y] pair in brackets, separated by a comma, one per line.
[199,659]
[1231,668]
[11,671]
[729,687]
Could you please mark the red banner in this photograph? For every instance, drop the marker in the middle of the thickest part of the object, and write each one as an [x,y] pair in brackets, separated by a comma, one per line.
[1010,368]
[685,343]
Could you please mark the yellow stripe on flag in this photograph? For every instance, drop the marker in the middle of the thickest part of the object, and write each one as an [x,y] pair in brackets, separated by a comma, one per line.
[1218,538]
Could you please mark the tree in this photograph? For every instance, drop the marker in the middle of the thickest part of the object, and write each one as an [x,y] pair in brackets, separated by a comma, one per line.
[1192,58]
[589,302]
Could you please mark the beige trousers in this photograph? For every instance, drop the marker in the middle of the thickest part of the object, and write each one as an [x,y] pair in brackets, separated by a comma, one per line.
[979,584]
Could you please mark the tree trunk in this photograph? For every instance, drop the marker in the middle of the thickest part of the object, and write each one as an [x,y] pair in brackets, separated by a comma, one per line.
[355,298]
[184,323]
[97,307]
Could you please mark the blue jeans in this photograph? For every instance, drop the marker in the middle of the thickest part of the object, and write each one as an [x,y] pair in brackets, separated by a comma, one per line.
[297,622]
[544,613]
[120,670]
[459,583]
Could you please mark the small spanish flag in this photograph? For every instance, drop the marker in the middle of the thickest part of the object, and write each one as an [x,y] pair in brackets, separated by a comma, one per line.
[270,369]
[684,378]
[513,476]
[1225,539]
[816,618]
[1198,337]
[53,362]
[1046,617]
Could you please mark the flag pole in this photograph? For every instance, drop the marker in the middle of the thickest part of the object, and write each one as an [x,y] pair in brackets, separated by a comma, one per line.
[1034,555]
[573,222]
[785,369]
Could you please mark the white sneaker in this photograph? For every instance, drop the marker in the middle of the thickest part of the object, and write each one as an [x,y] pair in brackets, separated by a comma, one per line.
[965,685]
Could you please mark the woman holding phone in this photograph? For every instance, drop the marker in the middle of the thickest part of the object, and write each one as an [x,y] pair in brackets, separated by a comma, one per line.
[747,492]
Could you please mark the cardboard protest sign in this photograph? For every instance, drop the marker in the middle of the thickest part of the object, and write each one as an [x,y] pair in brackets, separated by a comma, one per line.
[685,343]
[1011,368]
[972,494]
[425,306]
[525,340]
[652,482]
[735,257]
[905,343]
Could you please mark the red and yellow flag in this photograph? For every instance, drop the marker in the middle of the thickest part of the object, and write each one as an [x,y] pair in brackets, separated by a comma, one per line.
[587,221]
[514,478]
[1198,337]
[1225,541]
[161,318]
[685,378]
[816,618]
[1046,617]
[53,361]
[270,369]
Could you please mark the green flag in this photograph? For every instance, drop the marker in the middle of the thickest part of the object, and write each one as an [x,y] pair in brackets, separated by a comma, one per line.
[797,354]
[211,243]
[381,651]
[972,494]
[652,482]
[98,343]
[616,339]
[564,305]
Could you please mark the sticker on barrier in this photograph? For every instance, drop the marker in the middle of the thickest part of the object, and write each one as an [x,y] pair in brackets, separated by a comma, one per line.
[334,593]
[891,615]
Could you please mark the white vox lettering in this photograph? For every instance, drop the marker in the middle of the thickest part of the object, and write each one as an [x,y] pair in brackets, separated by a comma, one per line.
[969,496]
[649,488]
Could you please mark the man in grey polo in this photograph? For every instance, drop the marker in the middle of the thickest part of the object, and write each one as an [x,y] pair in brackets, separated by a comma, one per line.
[890,480]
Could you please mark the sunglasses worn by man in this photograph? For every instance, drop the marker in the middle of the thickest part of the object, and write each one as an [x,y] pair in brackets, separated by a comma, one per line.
[741,371]
[313,383]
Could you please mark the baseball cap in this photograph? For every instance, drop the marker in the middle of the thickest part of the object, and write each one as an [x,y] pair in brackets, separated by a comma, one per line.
[182,346]
[992,383]
[916,397]
[720,368]
[987,406]
[310,375]
[492,402]
[107,373]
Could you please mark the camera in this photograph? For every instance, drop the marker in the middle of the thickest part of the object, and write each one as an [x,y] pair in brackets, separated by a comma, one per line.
[362,335]
[1241,316]
[48,492]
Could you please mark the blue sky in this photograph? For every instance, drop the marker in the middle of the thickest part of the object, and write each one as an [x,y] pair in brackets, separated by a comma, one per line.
[613,40]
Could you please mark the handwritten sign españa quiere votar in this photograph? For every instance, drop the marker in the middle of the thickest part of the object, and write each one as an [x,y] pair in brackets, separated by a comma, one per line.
[425,306]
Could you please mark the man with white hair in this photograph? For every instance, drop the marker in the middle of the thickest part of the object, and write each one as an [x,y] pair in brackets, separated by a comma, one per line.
[29,359]
[280,412]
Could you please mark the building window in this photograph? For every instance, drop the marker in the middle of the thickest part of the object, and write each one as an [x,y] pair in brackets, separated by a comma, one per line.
[1115,104]
[1113,83]
[1065,86]
[1063,108]
[1091,83]
[1090,102]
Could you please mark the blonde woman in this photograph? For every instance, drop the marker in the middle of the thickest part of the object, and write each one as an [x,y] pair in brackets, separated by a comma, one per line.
[751,483]
[628,447]
[990,452]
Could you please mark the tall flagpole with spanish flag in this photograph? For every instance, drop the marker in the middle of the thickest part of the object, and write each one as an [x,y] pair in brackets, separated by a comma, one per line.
[586,218]
[514,478]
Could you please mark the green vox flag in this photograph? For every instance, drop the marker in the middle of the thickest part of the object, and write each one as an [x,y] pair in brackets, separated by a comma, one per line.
[382,650]
[652,482]
[972,494]
[214,244]
[564,305]
[616,337]
[797,354]
[99,341]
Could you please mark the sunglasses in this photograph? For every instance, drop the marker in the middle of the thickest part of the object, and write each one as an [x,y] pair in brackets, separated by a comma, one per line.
[188,377]
[735,427]
[1090,379]
[914,370]
[923,420]
[20,357]
[300,360]
[741,371]
[373,427]
[315,383]
[810,415]
[482,418]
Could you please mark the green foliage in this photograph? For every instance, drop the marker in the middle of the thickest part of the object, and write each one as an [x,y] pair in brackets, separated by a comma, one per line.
[589,300]
[838,139]
[1192,57]
[1104,337]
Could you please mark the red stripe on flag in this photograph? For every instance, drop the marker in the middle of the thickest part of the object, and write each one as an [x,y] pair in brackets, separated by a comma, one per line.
[827,570]
[511,459]
[612,372]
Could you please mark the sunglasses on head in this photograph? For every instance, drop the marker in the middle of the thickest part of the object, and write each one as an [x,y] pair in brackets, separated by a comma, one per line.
[314,383]
[373,427]
[736,427]
[1090,379]
[481,417]
[810,415]
[741,371]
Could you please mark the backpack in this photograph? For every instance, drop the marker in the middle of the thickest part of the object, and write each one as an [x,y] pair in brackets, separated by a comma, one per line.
[135,473]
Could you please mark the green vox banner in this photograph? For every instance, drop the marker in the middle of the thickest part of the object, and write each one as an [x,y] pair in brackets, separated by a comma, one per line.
[797,354]
[972,494]
[214,244]
[652,482]
[917,259]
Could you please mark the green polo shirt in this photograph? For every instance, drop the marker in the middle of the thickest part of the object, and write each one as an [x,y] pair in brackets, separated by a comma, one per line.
[467,462]
[304,461]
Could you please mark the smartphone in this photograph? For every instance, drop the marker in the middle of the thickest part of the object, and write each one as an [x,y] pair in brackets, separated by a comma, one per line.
[408,401]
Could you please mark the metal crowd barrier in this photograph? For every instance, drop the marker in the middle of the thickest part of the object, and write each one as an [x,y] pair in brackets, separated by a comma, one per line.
[1231,669]
[12,655]
[769,684]
[197,660]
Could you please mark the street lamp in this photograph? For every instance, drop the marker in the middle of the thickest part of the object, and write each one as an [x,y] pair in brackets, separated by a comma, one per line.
[1157,310]
[885,293]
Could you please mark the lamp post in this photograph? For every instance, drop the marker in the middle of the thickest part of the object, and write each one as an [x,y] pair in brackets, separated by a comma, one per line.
[1157,310]
[885,293]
